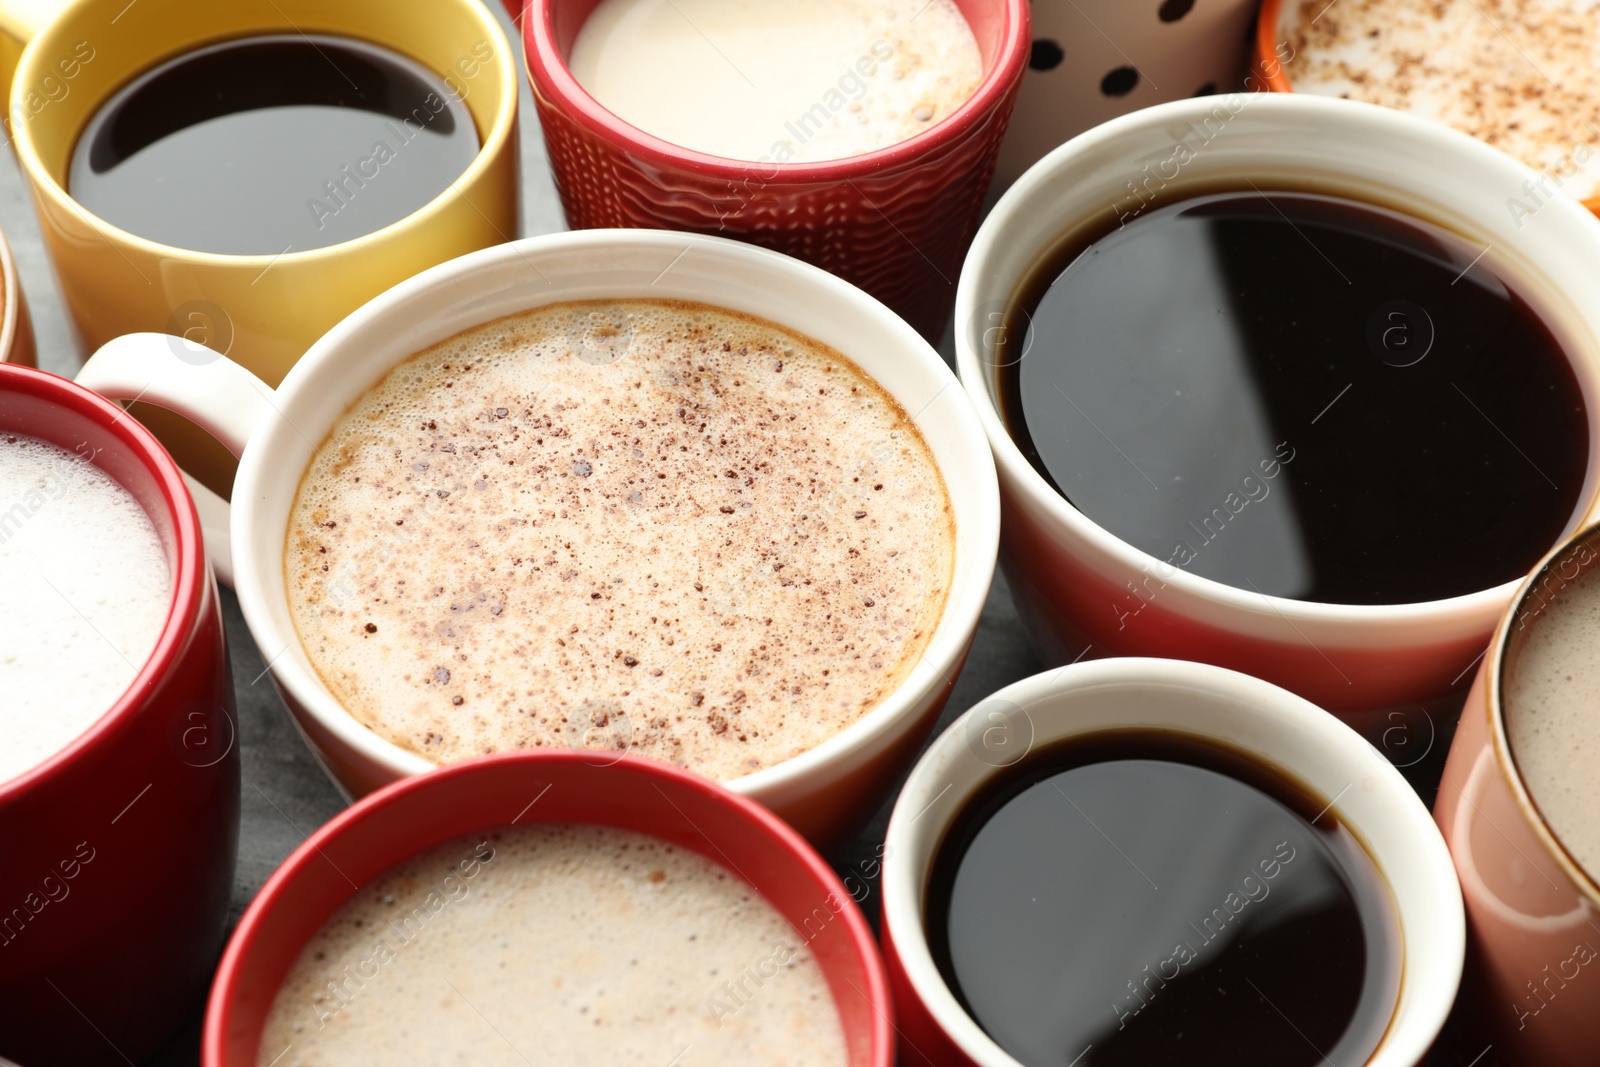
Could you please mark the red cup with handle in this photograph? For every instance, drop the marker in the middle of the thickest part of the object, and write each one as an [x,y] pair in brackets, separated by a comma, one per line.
[118,840]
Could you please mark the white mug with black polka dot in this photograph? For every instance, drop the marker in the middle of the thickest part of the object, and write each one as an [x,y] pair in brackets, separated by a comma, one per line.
[1093,60]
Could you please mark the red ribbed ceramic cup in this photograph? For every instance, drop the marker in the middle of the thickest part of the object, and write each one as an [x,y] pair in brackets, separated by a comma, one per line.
[644,796]
[896,221]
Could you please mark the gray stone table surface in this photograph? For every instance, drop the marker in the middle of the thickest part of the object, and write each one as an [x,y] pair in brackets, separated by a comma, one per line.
[286,795]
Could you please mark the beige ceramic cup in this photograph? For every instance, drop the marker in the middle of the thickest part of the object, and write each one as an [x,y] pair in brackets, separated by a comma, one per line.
[1532,986]
[16,328]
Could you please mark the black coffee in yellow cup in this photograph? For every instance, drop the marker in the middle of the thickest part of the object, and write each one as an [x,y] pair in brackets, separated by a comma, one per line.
[262,301]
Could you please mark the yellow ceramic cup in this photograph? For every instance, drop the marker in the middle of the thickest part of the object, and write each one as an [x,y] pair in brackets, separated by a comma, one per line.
[263,310]
[16,328]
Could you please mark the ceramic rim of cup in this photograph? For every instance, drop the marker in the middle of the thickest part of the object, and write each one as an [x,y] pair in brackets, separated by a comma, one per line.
[976,512]
[1429,909]
[11,309]
[550,75]
[236,958]
[1347,125]
[495,141]
[191,575]
[1496,661]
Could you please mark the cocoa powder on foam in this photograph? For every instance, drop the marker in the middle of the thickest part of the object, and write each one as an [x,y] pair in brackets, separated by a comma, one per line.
[1518,74]
[649,525]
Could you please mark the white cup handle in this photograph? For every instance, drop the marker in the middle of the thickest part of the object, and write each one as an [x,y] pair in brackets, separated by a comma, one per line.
[207,388]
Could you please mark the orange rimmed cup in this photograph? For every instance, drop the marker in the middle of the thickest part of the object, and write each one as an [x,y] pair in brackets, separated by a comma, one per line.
[895,221]
[1272,52]
[1266,61]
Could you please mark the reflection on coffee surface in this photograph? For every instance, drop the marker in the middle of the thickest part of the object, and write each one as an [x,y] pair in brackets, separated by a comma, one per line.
[555,944]
[1299,395]
[801,81]
[641,525]
[84,591]
[273,144]
[1551,699]
[1144,898]
[1519,74]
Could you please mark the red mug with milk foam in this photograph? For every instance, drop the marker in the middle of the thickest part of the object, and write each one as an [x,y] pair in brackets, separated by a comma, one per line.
[634,794]
[117,851]
[896,221]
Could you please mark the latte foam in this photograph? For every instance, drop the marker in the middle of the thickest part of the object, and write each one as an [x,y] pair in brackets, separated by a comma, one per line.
[1551,699]
[555,944]
[84,591]
[648,526]
[799,81]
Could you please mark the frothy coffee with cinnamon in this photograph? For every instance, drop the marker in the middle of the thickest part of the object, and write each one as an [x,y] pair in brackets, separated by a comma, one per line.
[1519,74]
[645,525]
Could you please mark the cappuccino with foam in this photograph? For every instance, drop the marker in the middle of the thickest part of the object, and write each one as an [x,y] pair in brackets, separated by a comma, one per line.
[629,525]
[1518,74]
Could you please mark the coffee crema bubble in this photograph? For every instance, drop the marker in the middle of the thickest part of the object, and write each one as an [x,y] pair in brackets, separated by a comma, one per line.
[635,525]
[556,943]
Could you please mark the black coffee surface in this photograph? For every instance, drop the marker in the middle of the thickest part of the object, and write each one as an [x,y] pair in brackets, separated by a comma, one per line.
[1145,899]
[1300,395]
[271,144]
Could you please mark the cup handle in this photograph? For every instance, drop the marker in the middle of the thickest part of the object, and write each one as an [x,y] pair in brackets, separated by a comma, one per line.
[20,20]
[205,387]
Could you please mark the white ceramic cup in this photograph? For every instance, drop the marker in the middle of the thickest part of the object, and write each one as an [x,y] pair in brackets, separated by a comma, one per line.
[1287,733]
[1078,587]
[824,792]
